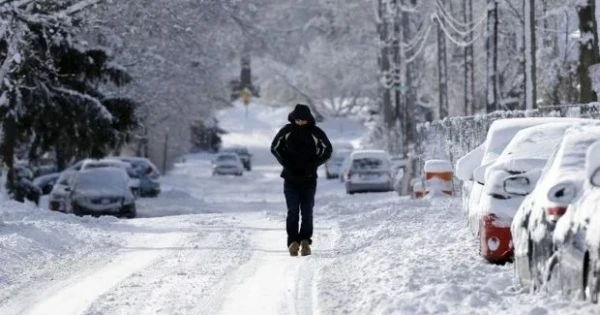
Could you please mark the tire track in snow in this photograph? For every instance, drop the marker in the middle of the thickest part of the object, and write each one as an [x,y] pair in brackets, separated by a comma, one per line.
[76,293]
[273,282]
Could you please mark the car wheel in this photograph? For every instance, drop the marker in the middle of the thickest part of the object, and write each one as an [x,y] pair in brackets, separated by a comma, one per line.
[590,282]
[129,212]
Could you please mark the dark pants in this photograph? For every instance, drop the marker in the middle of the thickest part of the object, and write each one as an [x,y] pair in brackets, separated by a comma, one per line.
[300,199]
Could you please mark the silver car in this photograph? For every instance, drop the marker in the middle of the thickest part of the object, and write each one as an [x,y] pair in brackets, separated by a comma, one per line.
[228,164]
[102,191]
[369,171]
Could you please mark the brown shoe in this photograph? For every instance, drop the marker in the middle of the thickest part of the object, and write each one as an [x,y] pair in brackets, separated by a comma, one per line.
[294,248]
[305,248]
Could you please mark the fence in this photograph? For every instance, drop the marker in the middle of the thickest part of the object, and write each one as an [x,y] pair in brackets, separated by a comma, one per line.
[453,137]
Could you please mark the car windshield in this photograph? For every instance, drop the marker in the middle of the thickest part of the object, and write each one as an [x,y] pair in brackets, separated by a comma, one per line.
[65,178]
[367,164]
[102,164]
[99,179]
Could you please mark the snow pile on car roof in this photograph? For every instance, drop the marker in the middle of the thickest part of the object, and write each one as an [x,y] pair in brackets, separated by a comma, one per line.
[469,162]
[502,131]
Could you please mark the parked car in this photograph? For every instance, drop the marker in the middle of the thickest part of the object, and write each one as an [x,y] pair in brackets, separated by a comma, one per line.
[369,171]
[134,180]
[465,167]
[243,154]
[59,193]
[102,191]
[334,164]
[228,164]
[46,182]
[501,132]
[508,180]
[146,172]
[558,186]
[577,237]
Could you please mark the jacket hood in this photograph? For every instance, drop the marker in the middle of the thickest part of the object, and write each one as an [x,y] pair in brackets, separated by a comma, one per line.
[302,111]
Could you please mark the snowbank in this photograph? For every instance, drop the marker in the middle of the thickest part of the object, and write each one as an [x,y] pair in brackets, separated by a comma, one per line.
[32,238]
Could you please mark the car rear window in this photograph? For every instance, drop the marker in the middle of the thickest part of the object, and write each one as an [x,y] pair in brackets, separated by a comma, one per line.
[226,158]
[100,179]
[367,164]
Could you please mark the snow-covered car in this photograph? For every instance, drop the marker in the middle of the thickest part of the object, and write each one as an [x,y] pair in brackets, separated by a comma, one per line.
[465,167]
[134,180]
[561,181]
[101,191]
[508,180]
[500,134]
[333,166]
[59,193]
[146,172]
[244,155]
[46,182]
[227,164]
[577,237]
[369,171]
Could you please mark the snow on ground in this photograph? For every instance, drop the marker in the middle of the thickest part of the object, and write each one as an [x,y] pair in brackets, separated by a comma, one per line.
[216,245]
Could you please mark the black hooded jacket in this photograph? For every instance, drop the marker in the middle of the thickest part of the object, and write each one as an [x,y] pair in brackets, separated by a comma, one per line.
[301,149]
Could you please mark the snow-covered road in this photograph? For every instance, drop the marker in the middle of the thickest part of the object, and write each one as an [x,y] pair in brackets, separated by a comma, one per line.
[216,245]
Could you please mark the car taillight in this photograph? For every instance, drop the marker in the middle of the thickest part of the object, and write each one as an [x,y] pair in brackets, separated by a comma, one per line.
[149,170]
[349,175]
[554,213]
[488,219]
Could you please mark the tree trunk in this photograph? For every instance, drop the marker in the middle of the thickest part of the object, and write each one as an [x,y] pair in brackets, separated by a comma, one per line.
[400,110]
[530,54]
[246,72]
[442,72]
[384,65]
[409,85]
[491,46]
[8,151]
[469,75]
[588,49]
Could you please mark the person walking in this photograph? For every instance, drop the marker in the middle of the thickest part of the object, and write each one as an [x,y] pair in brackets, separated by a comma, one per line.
[300,147]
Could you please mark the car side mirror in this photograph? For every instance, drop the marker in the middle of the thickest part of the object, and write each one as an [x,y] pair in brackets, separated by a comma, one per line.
[518,185]
[595,179]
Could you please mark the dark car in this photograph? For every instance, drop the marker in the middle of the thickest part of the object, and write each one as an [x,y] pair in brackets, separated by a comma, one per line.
[146,172]
[102,191]
[244,155]
[46,182]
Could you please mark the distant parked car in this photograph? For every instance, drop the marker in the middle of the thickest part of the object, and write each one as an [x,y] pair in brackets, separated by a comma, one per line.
[146,172]
[560,183]
[369,171]
[228,164]
[46,182]
[243,154]
[59,193]
[509,179]
[102,191]
[577,237]
[334,164]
